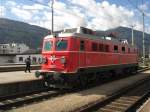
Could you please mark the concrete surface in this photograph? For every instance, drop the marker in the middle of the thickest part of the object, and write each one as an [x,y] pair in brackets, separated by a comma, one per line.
[10,68]
[70,102]
[17,76]
[18,82]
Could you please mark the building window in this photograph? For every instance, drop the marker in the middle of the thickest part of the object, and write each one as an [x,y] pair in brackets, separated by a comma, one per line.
[115,48]
[82,46]
[94,46]
[123,49]
[20,59]
[39,60]
[34,59]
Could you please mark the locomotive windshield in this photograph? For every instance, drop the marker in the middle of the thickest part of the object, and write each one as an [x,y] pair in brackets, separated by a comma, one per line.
[61,45]
[48,46]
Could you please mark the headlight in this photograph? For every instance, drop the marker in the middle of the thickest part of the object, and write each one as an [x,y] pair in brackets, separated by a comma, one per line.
[63,60]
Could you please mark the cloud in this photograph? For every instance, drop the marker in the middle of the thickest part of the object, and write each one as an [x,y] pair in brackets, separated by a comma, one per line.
[11,3]
[33,7]
[101,16]
[23,11]
[22,14]
[73,13]
[144,7]
[2,11]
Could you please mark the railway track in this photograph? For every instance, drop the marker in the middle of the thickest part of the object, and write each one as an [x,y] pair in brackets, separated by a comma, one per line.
[9,102]
[13,101]
[127,99]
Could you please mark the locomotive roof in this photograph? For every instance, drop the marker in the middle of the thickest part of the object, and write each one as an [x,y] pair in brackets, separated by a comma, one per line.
[82,32]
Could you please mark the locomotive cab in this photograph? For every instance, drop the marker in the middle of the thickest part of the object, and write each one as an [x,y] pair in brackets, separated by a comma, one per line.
[61,56]
[53,54]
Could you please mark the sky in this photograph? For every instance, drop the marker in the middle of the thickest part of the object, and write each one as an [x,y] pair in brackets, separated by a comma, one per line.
[94,14]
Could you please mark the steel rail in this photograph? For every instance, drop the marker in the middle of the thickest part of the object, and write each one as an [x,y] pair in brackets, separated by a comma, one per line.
[139,102]
[7,102]
[102,104]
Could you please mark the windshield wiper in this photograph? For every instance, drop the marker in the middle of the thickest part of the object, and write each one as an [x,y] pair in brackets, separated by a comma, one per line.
[59,41]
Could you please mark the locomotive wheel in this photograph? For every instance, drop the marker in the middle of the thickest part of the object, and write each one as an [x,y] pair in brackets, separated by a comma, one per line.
[96,78]
[83,81]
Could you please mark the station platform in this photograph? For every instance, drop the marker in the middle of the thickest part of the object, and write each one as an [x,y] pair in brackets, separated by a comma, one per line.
[14,67]
[16,76]
[19,81]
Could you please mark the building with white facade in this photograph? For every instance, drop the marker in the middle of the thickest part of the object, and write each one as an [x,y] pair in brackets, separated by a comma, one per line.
[13,48]
[36,57]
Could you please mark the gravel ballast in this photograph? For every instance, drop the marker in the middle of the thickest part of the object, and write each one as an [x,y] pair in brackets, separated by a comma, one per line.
[70,102]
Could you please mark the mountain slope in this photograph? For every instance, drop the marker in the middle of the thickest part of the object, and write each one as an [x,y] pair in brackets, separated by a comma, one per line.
[14,31]
[20,32]
[125,33]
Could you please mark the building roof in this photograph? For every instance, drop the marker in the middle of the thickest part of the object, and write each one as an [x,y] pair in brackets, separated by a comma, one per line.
[32,51]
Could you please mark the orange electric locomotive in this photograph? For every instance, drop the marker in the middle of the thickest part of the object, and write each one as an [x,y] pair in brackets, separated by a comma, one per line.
[78,56]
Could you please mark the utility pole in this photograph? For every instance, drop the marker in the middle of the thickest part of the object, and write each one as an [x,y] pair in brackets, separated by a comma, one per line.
[143,35]
[149,52]
[52,17]
[132,26]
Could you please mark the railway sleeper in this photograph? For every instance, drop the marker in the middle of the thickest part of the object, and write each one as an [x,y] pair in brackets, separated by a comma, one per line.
[118,104]
[106,110]
[130,98]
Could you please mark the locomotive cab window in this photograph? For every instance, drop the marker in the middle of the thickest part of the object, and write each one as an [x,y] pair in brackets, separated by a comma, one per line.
[82,46]
[116,49]
[48,45]
[61,45]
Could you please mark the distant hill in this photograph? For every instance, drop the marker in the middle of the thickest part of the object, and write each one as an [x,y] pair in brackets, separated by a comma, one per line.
[20,32]
[125,33]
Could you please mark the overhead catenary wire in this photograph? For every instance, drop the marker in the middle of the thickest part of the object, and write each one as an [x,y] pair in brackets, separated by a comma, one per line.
[135,6]
[140,10]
